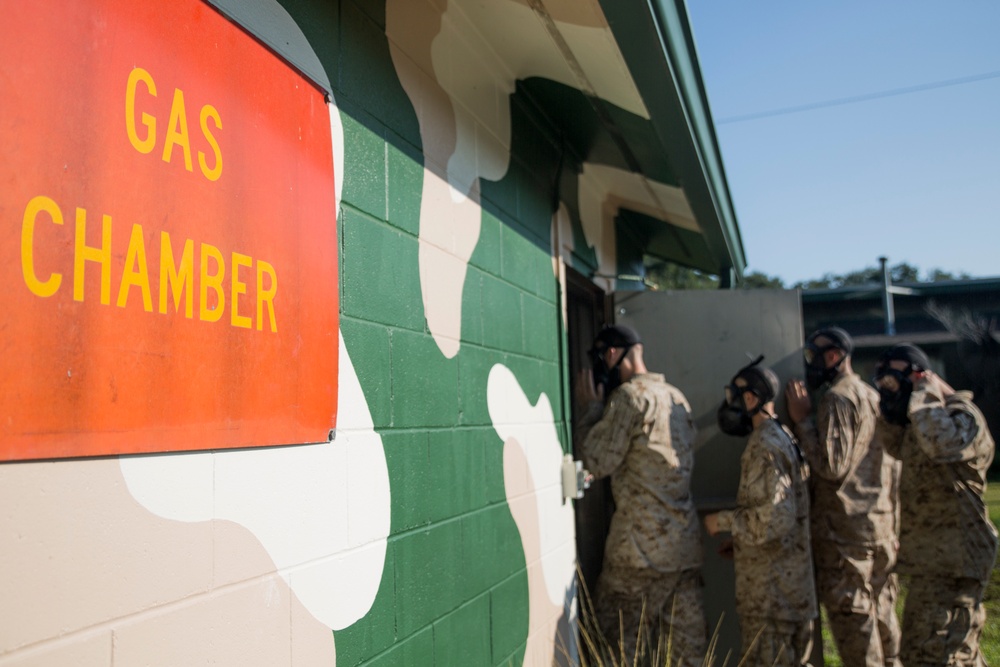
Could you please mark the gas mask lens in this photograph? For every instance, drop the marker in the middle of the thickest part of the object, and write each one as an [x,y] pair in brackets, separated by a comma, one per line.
[813,352]
[608,376]
[732,415]
[817,374]
[734,393]
[891,380]
[887,382]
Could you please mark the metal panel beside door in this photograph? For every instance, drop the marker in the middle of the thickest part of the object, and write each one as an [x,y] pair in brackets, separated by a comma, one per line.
[698,339]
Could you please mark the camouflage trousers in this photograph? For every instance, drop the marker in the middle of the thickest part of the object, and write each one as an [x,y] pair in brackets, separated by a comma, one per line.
[652,611]
[769,642]
[942,622]
[856,585]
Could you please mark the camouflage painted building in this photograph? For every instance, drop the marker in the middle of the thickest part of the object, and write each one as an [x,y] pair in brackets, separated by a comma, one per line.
[495,167]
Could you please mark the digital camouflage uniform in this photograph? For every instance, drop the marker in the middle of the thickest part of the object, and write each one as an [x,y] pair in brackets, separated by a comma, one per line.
[947,542]
[775,592]
[653,554]
[853,521]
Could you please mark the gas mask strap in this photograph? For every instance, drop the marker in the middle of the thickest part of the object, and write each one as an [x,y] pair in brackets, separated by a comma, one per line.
[625,351]
[753,363]
[843,355]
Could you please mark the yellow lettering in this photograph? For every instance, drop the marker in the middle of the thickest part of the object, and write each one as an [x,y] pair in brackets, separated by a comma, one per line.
[135,272]
[177,275]
[142,145]
[31,211]
[208,111]
[237,289]
[266,296]
[177,131]
[85,253]
[212,281]
[177,280]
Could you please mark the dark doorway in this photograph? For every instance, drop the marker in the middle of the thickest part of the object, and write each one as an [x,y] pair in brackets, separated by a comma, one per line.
[587,310]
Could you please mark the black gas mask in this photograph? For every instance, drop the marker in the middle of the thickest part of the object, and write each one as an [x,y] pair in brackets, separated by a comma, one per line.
[618,336]
[894,389]
[894,386]
[814,355]
[609,378]
[733,416]
[817,374]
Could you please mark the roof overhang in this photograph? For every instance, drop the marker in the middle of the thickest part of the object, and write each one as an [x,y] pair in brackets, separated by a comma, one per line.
[620,82]
[656,126]
[656,42]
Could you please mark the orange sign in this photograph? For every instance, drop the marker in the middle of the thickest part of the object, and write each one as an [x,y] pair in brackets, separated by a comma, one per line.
[168,251]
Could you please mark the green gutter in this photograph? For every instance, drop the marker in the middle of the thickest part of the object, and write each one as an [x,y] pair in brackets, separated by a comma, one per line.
[655,39]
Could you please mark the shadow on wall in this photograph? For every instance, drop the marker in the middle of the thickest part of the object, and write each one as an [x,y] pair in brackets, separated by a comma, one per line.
[567,653]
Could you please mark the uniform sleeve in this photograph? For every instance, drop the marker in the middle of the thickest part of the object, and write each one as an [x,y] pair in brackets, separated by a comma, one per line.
[768,511]
[890,436]
[687,430]
[946,433]
[607,442]
[829,443]
[588,415]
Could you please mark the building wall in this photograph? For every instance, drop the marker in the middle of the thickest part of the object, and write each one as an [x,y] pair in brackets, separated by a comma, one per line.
[431,530]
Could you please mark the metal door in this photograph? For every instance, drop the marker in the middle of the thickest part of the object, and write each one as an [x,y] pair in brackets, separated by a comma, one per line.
[698,340]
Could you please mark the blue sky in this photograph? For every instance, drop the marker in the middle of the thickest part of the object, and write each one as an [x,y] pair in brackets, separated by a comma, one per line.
[914,176]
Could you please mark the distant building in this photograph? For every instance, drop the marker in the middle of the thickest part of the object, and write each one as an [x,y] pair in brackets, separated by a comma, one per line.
[957,322]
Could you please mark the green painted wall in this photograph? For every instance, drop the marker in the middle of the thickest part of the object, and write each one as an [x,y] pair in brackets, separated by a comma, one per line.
[454,589]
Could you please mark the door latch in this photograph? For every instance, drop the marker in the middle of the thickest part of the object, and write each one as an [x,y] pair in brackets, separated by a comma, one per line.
[575,478]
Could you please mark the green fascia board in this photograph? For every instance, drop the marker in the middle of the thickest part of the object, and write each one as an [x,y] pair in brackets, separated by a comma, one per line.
[655,39]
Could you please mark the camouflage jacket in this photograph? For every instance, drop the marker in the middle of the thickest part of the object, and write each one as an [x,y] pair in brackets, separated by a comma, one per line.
[645,441]
[946,450]
[854,482]
[770,527]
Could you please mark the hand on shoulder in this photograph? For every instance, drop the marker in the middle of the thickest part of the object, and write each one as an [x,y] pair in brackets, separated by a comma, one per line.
[797,400]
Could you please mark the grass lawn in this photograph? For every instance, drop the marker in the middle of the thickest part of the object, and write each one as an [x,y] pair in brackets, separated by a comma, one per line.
[991,633]
[990,644]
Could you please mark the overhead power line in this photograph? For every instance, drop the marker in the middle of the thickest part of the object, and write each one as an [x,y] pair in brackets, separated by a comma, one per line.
[858,98]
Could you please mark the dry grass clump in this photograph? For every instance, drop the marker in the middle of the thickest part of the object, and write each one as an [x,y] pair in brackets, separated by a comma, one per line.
[595,650]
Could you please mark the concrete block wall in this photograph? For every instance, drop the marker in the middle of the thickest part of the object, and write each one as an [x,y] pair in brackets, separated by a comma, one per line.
[432,530]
